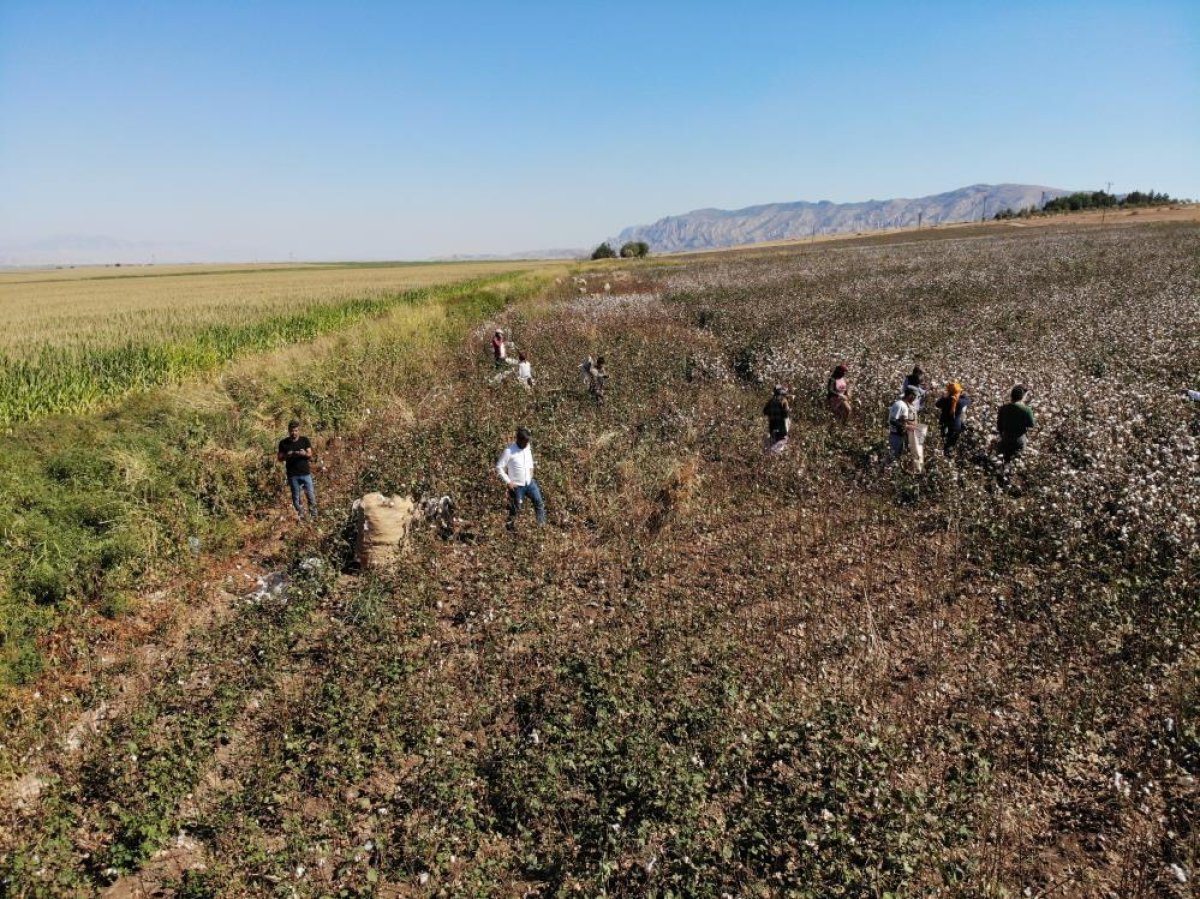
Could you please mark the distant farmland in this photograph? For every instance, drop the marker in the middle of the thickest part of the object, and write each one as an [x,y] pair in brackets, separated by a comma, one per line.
[72,339]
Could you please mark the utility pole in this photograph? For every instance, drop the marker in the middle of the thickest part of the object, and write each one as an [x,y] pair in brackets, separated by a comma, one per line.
[1108,193]
[920,215]
[983,217]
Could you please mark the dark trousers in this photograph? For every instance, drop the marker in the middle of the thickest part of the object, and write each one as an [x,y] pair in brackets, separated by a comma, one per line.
[1011,446]
[950,437]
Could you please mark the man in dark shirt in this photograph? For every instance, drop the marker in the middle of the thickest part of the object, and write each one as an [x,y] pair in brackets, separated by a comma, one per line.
[1012,421]
[295,452]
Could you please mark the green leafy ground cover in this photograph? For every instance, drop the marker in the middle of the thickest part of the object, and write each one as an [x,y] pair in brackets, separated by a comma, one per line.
[94,503]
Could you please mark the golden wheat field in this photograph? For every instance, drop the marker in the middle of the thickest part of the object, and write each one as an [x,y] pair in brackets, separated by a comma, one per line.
[73,340]
[97,307]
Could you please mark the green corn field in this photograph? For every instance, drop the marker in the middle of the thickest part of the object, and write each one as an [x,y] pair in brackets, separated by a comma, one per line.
[68,345]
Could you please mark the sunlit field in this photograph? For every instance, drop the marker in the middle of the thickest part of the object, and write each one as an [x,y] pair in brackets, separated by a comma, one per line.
[717,671]
[70,340]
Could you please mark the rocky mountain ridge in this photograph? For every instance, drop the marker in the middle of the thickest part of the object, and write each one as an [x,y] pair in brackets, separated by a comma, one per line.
[704,229]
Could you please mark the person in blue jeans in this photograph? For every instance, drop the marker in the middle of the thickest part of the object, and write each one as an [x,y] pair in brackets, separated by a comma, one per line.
[515,468]
[296,452]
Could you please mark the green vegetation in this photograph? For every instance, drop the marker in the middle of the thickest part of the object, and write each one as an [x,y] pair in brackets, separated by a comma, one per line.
[604,251]
[1096,199]
[635,249]
[93,502]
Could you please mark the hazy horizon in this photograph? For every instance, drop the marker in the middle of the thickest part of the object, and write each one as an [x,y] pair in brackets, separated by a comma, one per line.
[379,132]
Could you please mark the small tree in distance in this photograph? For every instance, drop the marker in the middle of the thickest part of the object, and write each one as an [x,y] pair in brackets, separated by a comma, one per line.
[635,249]
[604,251]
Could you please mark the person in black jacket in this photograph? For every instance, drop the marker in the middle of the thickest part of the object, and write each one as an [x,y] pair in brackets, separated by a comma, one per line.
[778,414]
[952,407]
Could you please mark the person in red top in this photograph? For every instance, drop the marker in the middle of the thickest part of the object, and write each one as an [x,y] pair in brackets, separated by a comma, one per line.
[499,350]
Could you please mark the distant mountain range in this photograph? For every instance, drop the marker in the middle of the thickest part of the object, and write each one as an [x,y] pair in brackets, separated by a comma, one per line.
[706,229]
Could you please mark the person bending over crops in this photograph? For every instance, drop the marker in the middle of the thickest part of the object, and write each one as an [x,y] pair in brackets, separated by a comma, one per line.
[902,418]
[524,371]
[1014,420]
[597,376]
[952,408]
[837,394]
[778,414]
[296,453]
[916,380]
[515,468]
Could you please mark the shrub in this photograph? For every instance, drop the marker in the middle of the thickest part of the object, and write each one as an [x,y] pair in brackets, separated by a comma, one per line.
[604,251]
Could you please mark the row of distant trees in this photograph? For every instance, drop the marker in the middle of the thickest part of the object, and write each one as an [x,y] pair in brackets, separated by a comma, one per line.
[1096,199]
[634,249]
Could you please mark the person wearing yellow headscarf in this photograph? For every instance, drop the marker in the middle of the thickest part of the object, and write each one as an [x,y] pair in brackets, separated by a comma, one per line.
[952,407]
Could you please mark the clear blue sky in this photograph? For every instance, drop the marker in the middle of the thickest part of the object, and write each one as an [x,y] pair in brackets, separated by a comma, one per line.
[403,130]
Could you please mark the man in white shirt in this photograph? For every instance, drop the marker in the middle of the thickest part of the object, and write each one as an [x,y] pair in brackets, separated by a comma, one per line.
[515,468]
[902,418]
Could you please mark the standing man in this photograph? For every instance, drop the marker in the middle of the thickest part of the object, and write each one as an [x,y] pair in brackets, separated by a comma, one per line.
[515,468]
[499,348]
[915,380]
[296,452]
[1012,422]
[902,418]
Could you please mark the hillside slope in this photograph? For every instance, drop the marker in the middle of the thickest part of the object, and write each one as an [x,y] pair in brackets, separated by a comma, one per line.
[710,228]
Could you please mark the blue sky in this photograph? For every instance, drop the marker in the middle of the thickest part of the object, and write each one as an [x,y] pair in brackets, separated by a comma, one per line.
[398,130]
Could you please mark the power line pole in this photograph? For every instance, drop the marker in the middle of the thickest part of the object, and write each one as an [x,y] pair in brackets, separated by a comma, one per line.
[920,215]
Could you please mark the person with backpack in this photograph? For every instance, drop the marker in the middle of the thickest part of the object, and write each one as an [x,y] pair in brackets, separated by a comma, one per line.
[778,414]
[952,407]
[1013,421]
[837,394]
[296,453]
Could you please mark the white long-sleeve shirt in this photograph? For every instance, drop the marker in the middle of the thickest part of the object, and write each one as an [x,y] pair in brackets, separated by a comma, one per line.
[525,372]
[516,465]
